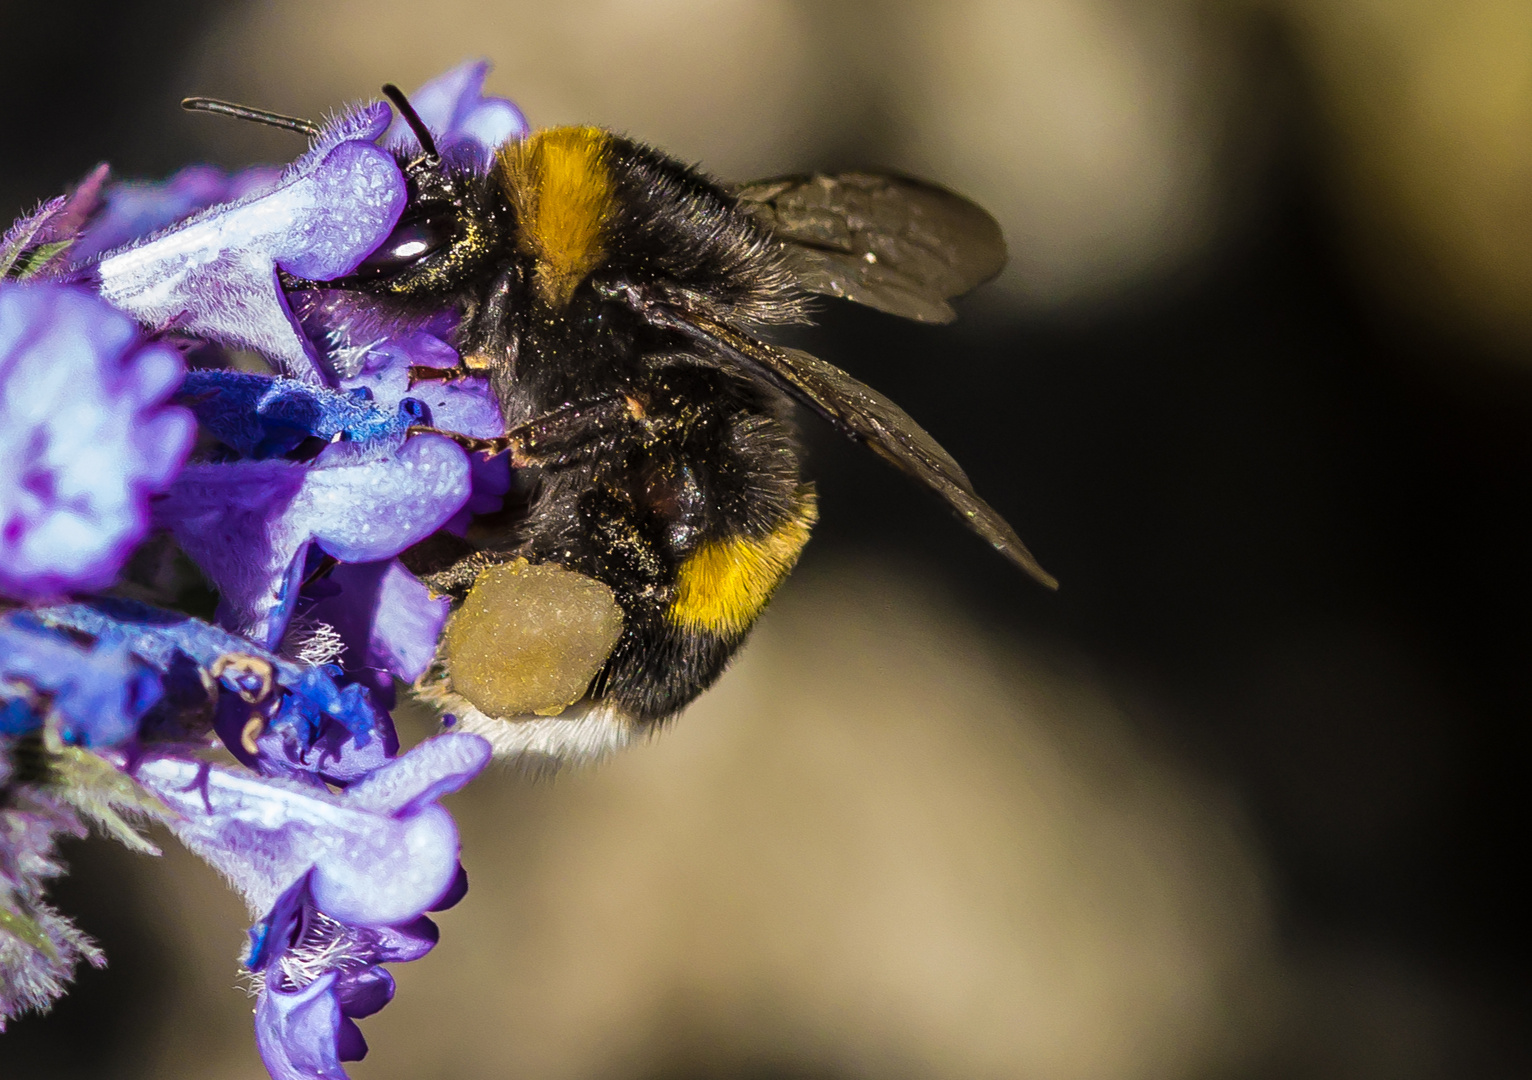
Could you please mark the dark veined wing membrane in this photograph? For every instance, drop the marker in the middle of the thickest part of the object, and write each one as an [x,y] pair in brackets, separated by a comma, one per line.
[899,245]
[868,417]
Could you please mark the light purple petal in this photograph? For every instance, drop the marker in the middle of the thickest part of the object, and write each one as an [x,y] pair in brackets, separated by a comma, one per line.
[407,623]
[83,437]
[372,865]
[465,405]
[261,833]
[364,194]
[385,616]
[458,114]
[134,209]
[297,1033]
[363,124]
[215,275]
[245,523]
[389,874]
[436,767]
[493,123]
[374,510]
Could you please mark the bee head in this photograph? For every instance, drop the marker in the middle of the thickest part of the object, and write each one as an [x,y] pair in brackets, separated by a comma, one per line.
[443,237]
[442,240]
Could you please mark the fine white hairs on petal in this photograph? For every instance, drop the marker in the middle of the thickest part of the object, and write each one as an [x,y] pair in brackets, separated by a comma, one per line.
[312,642]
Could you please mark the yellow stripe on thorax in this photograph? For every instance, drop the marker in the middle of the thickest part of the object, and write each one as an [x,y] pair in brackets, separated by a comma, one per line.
[561,188]
[724,584]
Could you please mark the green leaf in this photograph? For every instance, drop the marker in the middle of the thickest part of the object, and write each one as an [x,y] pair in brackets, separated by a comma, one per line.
[102,793]
[12,248]
[35,260]
[27,930]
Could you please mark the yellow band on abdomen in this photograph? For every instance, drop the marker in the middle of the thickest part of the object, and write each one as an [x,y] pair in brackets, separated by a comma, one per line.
[724,584]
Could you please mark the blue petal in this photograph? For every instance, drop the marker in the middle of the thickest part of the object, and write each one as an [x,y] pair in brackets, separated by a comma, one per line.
[269,937]
[259,416]
[328,752]
[161,639]
[99,693]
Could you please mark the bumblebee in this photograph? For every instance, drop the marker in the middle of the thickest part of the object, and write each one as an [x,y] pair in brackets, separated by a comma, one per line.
[614,298]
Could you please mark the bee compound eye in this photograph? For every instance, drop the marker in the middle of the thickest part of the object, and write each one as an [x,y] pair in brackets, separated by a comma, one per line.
[413,240]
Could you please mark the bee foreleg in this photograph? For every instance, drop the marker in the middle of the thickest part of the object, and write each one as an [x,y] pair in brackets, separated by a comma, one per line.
[474,445]
[574,431]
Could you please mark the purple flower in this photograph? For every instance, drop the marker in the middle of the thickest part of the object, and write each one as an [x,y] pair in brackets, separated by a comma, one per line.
[305,491]
[466,125]
[96,693]
[344,881]
[133,209]
[85,438]
[248,524]
[316,976]
[215,274]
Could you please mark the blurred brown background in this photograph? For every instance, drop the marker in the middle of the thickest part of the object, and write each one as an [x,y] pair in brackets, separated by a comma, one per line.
[1241,800]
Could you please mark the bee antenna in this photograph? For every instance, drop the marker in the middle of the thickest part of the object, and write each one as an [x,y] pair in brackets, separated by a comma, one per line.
[245,112]
[412,118]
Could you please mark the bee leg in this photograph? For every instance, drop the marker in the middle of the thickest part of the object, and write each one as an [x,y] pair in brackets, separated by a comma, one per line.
[573,432]
[420,373]
[474,445]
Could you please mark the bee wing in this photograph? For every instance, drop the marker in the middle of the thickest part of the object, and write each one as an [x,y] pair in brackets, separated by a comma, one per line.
[864,415]
[868,417]
[899,245]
